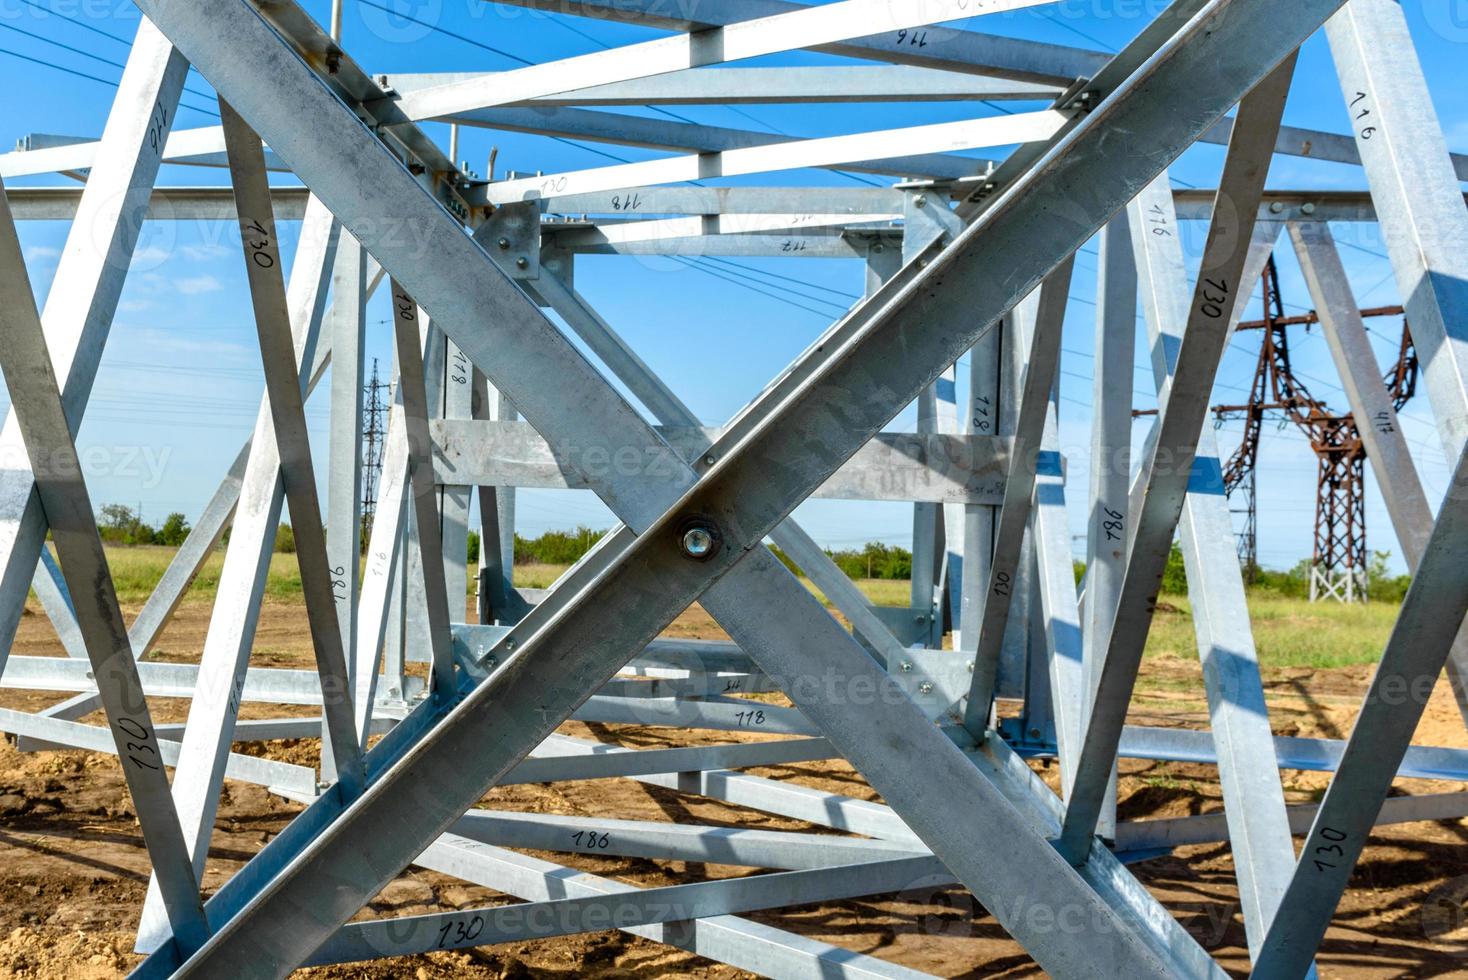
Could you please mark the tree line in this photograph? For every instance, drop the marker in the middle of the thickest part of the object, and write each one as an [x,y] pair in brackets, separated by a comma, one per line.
[121,524]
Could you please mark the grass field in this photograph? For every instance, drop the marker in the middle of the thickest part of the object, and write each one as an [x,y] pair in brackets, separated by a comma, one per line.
[1288,632]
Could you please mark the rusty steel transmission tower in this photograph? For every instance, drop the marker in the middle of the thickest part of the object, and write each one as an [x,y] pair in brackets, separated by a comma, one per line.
[1340,560]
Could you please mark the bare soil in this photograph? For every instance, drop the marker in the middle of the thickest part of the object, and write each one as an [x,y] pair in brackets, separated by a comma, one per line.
[73,872]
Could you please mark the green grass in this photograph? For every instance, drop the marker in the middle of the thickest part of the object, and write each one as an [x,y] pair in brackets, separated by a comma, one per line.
[1287,632]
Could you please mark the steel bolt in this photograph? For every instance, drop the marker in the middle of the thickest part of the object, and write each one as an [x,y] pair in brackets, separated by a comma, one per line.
[1277,207]
[926,687]
[699,540]
[921,200]
[504,243]
[1307,208]
[522,263]
[710,459]
[906,667]
[509,644]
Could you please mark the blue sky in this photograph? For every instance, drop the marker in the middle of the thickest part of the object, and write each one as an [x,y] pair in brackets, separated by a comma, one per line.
[181,381]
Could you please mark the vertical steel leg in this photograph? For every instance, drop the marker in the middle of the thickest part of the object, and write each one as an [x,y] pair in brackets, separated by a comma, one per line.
[348,321]
[1111,445]
[1042,365]
[422,494]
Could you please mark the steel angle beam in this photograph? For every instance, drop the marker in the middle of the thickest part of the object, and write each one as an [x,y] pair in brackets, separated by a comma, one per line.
[662,134]
[738,41]
[469,928]
[1170,832]
[789,155]
[46,154]
[893,466]
[737,846]
[163,680]
[237,601]
[732,200]
[810,243]
[1285,205]
[949,49]
[1314,754]
[652,761]
[166,203]
[284,383]
[726,938]
[56,733]
[1026,458]
[753,86]
[952,50]
[578,236]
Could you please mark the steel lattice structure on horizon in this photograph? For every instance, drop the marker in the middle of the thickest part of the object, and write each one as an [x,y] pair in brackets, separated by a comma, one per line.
[964,258]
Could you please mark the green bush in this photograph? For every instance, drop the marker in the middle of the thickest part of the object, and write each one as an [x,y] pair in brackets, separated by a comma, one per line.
[1175,578]
[174,531]
[876,560]
[556,547]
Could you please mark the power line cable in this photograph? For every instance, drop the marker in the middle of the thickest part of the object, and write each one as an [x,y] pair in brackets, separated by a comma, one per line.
[85,54]
[91,78]
[717,274]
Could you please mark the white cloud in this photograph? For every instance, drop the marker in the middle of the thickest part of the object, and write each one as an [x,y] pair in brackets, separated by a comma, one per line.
[193,285]
[41,253]
[203,253]
[155,339]
[134,305]
[150,255]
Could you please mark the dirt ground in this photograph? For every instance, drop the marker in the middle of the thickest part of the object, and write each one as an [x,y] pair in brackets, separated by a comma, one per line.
[73,872]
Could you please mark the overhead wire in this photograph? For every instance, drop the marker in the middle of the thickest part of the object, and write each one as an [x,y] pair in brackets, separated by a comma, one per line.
[89,77]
